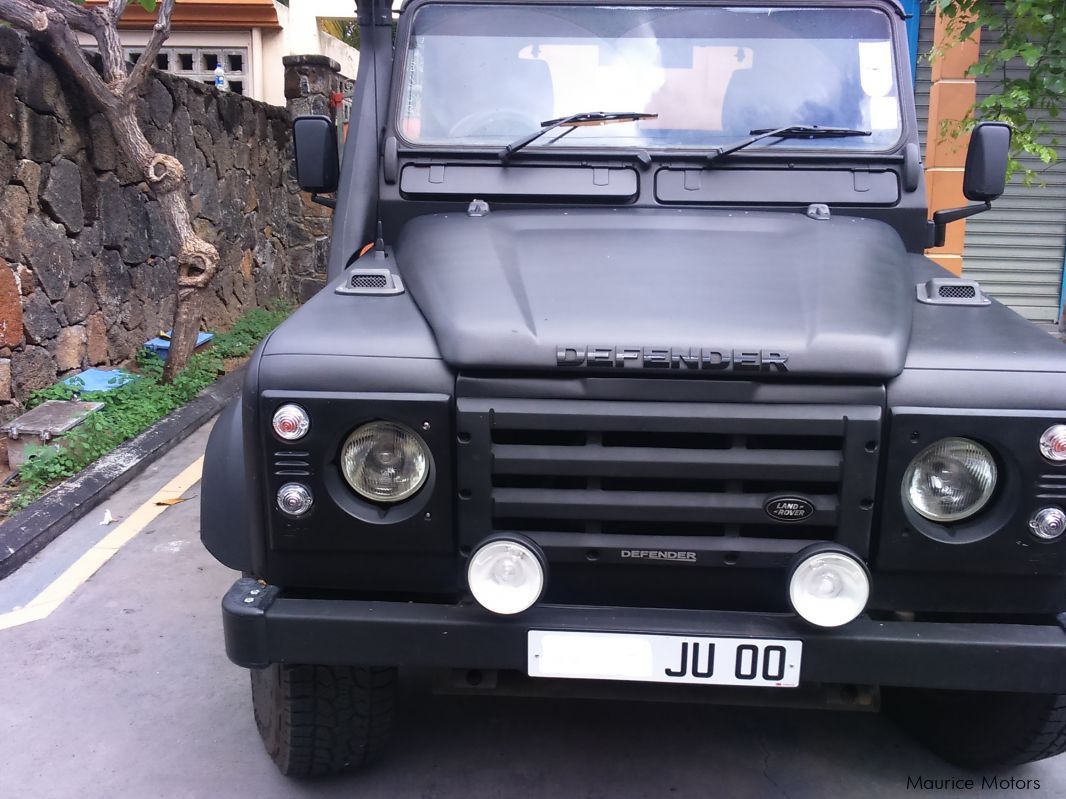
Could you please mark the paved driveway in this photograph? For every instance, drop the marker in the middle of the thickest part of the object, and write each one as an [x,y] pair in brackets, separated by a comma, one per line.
[124,692]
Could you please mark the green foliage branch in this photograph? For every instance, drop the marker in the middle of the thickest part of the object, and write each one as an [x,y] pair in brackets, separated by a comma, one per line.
[1030,32]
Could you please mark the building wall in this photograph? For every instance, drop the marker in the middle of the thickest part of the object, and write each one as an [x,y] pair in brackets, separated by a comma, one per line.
[266,29]
[952,94]
[1017,249]
[304,37]
[86,272]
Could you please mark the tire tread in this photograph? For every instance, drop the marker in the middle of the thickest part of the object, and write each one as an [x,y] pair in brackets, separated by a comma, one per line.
[317,720]
[983,730]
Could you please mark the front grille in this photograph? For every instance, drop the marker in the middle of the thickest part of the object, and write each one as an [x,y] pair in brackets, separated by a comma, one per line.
[703,470]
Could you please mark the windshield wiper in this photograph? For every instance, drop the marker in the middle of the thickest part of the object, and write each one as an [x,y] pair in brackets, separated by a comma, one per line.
[788,132]
[573,121]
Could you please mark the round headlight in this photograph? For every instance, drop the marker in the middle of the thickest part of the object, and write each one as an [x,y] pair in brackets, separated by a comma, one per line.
[950,480]
[505,577]
[385,461]
[828,588]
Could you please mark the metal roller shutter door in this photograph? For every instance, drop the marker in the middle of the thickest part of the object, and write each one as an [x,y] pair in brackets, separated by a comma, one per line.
[1016,250]
[923,74]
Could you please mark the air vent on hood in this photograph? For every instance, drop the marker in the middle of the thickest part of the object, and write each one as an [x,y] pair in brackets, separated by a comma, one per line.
[370,281]
[952,291]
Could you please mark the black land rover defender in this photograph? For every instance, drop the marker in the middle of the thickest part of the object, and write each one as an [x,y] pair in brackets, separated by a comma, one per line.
[644,378]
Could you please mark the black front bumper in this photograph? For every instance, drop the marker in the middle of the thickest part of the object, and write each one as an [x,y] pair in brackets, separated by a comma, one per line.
[262,627]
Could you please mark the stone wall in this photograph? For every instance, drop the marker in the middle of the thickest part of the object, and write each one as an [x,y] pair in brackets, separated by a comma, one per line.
[86,271]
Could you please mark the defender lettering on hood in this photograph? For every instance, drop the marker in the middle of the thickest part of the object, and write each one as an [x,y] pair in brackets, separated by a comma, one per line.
[716,360]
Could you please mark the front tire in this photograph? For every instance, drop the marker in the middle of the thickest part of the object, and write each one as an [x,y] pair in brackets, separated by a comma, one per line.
[982,730]
[318,720]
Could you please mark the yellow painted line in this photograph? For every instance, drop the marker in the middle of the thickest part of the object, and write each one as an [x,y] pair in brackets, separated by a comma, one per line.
[60,589]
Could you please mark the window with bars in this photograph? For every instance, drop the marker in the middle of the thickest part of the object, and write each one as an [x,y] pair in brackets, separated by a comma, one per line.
[199,63]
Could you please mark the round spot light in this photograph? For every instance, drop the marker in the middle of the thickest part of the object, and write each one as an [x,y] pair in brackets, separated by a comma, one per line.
[505,576]
[828,587]
[1048,523]
[1053,443]
[291,422]
[295,499]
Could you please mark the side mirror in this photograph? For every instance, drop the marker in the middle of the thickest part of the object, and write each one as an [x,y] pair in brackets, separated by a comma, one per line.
[986,162]
[984,179]
[317,160]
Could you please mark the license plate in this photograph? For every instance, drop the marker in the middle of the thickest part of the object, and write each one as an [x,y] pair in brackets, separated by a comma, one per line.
[665,658]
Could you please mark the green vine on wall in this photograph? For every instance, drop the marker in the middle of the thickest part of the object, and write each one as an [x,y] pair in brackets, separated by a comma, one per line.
[1032,32]
[135,406]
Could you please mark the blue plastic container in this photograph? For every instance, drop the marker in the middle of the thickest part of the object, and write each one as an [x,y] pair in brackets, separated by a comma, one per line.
[161,346]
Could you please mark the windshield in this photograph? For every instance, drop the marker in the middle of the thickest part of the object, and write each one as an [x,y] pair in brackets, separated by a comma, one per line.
[484,75]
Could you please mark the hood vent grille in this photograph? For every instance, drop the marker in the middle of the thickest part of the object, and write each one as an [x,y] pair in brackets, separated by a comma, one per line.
[379,282]
[952,291]
[369,282]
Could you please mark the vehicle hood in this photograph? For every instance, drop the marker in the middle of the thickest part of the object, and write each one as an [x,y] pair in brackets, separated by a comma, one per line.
[585,289]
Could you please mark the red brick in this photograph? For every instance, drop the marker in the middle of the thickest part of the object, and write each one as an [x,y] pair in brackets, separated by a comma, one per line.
[11,333]
[96,336]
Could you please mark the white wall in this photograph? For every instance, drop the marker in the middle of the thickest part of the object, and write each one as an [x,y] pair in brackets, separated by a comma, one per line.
[299,35]
[346,56]
[303,36]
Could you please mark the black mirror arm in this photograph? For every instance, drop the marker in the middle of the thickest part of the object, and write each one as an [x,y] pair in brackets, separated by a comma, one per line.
[941,219]
[329,202]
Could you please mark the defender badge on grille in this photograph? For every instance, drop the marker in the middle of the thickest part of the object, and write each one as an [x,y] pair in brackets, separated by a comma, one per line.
[789,509]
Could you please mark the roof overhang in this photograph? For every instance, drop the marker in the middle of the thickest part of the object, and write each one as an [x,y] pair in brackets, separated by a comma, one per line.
[205,15]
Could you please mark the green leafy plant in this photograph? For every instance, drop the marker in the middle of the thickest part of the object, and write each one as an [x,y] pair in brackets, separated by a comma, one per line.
[133,407]
[347,30]
[1032,32]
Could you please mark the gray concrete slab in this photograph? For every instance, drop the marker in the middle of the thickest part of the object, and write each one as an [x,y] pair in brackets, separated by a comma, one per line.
[125,692]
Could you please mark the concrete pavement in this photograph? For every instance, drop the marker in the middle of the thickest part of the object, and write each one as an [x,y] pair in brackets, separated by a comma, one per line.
[124,691]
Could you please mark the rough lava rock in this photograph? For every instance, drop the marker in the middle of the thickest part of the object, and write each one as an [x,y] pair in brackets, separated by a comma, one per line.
[88,271]
[61,195]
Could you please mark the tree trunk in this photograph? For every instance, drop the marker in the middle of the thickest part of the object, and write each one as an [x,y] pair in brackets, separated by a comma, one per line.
[197,259]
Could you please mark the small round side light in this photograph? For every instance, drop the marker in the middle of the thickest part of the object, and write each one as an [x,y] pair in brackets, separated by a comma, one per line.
[1053,443]
[295,499]
[1048,524]
[291,422]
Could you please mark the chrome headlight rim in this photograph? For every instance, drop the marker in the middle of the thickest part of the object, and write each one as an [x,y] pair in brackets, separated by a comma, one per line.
[972,510]
[413,490]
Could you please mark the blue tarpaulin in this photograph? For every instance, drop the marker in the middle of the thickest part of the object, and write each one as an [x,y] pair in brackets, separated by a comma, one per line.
[161,346]
[98,379]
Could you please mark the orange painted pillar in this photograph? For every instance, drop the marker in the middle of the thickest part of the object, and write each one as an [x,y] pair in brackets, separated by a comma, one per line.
[951,97]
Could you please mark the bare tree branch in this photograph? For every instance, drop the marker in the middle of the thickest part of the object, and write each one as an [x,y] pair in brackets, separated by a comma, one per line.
[80,18]
[52,26]
[25,15]
[112,57]
[147,60]
[116,8]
